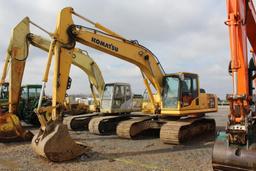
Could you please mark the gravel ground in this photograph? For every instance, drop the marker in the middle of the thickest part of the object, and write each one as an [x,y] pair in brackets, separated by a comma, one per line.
[111,153]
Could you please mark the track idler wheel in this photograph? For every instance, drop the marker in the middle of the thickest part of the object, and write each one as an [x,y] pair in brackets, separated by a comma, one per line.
[231,157]
[11,129]
[56,144]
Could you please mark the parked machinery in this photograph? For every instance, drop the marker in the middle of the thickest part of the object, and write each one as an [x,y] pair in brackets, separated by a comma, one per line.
[116,105]
[179,93]
[235,149]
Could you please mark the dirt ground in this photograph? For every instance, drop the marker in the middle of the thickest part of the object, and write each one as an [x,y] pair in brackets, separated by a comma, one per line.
[112,153]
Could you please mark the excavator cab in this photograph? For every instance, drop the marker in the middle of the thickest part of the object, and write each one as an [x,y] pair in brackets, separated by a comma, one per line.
[28,102]
[117,98]
[181,92]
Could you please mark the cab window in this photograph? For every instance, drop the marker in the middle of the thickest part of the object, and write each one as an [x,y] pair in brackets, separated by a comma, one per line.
[128,93]
[189,90]
[171,92]
[119,92]
[24,93]
[108,91]
[195,88]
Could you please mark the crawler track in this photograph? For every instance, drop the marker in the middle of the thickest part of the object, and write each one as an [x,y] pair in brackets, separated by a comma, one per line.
[176,132]
[79,122]
[131,128]
[172,132]
[106,124]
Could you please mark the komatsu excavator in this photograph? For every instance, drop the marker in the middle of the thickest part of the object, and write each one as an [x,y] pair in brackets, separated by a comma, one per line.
[180,93]
[235,149]
[10,128]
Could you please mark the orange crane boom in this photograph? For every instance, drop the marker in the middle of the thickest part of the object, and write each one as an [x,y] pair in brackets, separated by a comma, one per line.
[236,147]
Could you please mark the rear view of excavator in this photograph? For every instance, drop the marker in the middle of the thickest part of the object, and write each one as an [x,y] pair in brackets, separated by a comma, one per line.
[235,149]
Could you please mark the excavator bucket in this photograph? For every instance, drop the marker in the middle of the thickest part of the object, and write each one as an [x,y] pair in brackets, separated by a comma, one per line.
[11,130]
[56,144]
[231,157]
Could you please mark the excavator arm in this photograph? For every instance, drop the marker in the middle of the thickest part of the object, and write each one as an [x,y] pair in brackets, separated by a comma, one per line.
[10,127]
[53,140]
[236,148]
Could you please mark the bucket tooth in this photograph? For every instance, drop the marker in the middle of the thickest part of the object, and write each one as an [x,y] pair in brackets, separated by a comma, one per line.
[11,129]
[56,144]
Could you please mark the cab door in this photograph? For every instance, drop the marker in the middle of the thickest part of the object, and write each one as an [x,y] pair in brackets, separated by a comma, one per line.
[128,99]
[119,97]
[190,92]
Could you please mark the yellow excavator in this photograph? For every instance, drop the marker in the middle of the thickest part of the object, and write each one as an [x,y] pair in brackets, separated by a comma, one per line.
[179,113]
[179,93]
[10,127]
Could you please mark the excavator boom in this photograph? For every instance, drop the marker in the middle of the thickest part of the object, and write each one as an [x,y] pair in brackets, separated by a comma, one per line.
[53,140]
[10,127]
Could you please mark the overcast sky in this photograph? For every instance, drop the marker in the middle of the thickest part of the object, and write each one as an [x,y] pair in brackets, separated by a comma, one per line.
[185,35]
